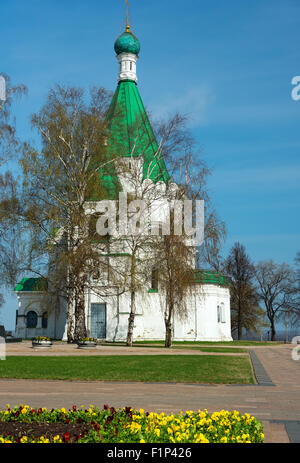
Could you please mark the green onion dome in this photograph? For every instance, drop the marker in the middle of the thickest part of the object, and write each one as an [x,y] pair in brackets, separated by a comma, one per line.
[127,43]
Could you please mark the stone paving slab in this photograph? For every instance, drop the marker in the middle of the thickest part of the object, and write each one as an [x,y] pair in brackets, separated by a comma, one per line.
[275,433]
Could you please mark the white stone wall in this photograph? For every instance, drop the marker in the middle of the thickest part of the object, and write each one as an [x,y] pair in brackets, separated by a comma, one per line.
[201,324]
[34,301]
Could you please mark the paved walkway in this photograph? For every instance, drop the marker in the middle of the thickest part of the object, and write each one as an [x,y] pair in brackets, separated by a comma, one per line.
[274,405]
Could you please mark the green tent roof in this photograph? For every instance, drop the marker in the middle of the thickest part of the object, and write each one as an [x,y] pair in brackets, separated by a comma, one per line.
[130,131]
[32,284]
[210,277]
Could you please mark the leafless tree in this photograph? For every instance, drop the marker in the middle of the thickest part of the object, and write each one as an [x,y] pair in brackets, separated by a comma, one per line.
[179,164]
[10,230]
[9,142]
[175,273]
[244,298]
[276,287]
[186,167]
[62,180]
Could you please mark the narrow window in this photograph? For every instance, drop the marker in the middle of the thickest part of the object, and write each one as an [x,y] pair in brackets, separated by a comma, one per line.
[219,313]
[223,314]
[31,319]
[45,320]
[154,279]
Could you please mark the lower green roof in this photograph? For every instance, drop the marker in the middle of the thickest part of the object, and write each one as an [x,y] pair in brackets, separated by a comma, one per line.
[201,277]
[32,284]
[210,277]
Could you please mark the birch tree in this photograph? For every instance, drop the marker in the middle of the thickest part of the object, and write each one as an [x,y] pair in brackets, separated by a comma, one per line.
[61,181]
[10,145]
[168,255]
[9,142]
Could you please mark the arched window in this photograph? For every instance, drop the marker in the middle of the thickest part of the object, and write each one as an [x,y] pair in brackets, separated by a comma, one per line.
[45,320]
[31,319]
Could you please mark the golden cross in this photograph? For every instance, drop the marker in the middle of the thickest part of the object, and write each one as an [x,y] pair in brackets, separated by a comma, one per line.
[127,17]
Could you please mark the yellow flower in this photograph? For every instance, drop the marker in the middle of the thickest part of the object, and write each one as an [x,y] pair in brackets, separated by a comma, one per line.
[23,440]
[142,441]
[200,439]
[43,440]
[182,426]
[56,439]
[135,427]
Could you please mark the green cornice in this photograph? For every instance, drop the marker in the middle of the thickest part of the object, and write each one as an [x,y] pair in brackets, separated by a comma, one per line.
[210,277]
[127,80]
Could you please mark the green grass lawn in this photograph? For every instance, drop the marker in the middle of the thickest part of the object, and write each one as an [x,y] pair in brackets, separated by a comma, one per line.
[213,343]
[225,350]
[152,368]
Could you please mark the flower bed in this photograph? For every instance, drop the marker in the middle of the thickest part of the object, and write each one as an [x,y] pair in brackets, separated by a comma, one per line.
[27,425]
[87,342]
[41,341]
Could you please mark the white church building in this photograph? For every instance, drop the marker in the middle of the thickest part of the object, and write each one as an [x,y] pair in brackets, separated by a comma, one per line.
[208,304]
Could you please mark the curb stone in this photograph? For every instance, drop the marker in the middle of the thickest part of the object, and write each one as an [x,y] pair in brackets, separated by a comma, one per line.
[262,377]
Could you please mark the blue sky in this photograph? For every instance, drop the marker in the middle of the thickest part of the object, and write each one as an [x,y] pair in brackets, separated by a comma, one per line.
[228,65]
